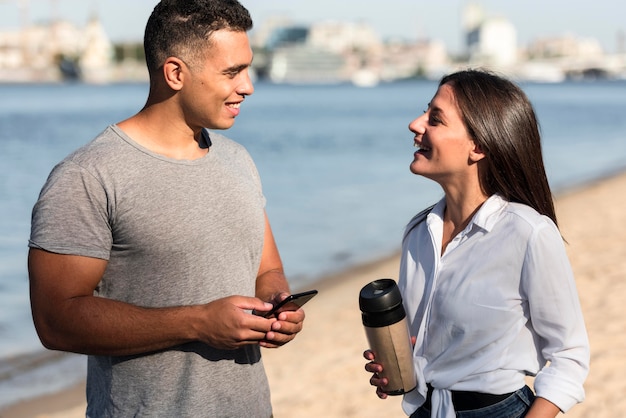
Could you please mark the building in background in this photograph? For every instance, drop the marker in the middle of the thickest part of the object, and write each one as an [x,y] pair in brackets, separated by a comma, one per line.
[340,52]
[55,51]
[322,52]
[58,50]
[490,41]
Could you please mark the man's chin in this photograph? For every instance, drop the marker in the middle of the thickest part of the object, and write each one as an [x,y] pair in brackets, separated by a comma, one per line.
[222,126]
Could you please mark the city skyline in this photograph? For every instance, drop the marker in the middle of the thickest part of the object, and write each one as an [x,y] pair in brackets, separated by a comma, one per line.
[406,19]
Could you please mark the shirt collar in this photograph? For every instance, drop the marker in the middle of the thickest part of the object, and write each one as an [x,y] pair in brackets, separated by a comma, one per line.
[485,218]
[489,212]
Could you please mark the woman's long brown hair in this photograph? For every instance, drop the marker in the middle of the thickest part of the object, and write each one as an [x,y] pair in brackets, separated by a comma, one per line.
[501,120]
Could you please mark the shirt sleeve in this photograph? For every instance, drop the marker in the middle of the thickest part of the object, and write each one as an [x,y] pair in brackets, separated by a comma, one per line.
[556,317]
[71,214]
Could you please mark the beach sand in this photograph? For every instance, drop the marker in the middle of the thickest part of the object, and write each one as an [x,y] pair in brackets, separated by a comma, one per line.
[321,373]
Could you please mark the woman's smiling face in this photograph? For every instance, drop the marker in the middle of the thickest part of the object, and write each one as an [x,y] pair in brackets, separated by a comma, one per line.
[445,146]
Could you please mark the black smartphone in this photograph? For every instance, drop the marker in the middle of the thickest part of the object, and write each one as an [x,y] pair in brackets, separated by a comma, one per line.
[291,303]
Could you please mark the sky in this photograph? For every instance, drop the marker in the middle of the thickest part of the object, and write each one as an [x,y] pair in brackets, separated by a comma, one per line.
[124,20]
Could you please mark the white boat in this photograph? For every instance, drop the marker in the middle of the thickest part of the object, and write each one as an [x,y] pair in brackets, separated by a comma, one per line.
[365,78]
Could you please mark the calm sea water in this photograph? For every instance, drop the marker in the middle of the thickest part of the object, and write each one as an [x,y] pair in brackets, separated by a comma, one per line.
[334,163]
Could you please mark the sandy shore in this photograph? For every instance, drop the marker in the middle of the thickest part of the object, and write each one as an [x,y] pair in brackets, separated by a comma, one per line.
[321,372]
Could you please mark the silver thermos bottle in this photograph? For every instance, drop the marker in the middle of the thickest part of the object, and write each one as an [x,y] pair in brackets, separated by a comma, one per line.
[387,331]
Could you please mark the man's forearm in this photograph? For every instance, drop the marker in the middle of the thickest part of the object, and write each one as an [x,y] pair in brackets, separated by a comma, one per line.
[98,326]
[271,284]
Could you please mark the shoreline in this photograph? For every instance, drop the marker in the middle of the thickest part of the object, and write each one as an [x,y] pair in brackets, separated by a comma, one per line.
[329,379]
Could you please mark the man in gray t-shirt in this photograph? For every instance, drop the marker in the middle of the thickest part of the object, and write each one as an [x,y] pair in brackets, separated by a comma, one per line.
[150,246]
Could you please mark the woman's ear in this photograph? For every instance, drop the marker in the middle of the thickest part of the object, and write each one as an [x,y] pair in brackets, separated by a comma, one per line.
[174,70]
[477,153]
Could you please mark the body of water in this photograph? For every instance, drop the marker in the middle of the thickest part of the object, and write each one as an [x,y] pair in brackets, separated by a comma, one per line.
[334,164]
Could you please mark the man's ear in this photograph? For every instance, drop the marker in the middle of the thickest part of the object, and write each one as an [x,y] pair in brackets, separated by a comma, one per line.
[477,153]
[174,70]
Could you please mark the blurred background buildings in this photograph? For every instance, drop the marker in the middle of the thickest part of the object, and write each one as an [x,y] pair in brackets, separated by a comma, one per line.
[324,52]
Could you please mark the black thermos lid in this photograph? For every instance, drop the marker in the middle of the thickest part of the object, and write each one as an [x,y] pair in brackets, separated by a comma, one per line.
[381,303]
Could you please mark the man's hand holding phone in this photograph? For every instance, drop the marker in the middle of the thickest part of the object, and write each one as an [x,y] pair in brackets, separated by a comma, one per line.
[285,330]
[291,303]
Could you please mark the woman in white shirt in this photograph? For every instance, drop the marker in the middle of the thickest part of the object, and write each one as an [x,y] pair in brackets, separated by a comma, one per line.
[487,286]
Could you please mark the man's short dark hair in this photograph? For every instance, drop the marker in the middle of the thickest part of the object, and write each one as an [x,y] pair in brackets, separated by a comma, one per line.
[182,28]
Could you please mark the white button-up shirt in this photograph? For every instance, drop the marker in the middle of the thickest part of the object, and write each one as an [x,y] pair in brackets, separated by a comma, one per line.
[499,304]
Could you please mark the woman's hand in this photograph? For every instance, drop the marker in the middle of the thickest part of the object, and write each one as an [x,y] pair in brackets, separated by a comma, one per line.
[376,369]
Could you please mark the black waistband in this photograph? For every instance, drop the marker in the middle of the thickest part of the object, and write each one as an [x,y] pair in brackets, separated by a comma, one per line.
[466,401]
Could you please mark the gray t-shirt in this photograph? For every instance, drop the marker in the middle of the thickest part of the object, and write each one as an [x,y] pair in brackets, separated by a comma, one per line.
[174,232]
